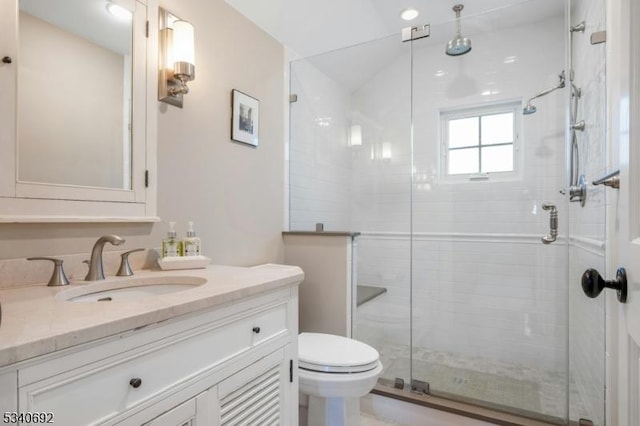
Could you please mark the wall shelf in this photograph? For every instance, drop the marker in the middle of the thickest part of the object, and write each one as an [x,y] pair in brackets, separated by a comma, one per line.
[365,293]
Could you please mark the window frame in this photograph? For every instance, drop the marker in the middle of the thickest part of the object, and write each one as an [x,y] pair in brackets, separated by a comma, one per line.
[486,109]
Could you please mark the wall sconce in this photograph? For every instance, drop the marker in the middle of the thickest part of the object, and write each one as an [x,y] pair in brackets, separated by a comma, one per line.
[176,58]
[355,136]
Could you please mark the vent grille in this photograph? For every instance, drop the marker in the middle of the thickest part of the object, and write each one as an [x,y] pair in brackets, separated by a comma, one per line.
[254,403]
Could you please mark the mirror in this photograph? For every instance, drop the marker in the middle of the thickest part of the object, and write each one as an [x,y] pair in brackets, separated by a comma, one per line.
[74,93]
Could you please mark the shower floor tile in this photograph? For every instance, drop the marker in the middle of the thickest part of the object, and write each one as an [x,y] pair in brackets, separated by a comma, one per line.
[500,385]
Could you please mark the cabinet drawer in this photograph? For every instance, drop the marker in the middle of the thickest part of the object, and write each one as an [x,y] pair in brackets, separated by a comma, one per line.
[100,390]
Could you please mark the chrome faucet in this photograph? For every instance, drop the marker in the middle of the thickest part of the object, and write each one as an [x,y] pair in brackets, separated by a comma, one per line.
[96,272]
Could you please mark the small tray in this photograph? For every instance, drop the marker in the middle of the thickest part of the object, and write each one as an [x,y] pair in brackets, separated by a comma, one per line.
[183,262]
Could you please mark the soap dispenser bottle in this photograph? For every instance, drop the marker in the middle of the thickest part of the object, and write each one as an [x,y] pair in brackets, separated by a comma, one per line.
[191,243]
[171,246]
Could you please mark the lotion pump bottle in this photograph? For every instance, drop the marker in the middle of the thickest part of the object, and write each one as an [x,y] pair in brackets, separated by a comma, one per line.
[191,243]
[171,246]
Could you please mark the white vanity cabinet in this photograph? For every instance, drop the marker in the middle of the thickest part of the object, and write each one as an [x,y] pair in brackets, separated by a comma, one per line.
[254,395]
[226,365]
[193,412]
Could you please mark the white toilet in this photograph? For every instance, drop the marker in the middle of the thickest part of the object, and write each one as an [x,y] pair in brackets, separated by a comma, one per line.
[334,372]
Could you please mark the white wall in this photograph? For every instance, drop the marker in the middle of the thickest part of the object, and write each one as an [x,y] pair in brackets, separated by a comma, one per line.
[587,316]
[233,192]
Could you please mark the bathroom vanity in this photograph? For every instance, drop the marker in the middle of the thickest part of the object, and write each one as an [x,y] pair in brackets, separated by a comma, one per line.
[213,354]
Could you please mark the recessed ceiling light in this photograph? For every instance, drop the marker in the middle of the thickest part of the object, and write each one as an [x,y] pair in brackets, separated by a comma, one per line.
[409,14]
[118,11]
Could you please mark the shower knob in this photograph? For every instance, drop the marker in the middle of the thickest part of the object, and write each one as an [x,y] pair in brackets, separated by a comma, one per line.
[593,284]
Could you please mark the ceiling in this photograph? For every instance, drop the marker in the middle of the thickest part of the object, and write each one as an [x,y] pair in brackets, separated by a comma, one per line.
[312,27]
[86,18]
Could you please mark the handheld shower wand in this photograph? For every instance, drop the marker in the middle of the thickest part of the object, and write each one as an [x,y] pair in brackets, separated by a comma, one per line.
[577,184]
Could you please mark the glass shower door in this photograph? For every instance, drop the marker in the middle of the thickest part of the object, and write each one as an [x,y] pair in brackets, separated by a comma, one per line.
[350,169]
[489,298]
[453,188]
[587,335]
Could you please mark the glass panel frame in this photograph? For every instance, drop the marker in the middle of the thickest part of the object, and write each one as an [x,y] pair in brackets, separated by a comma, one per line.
[478,319]
[476,268]
[362,187]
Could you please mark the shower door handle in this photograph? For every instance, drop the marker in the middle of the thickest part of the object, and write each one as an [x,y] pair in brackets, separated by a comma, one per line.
[593,284]
[553,223]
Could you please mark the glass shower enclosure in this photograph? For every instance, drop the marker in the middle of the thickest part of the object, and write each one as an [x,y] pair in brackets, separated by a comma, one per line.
[453,189]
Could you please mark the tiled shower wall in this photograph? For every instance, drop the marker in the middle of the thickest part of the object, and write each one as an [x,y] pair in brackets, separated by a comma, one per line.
[483,283]
[320,171]
[587,316]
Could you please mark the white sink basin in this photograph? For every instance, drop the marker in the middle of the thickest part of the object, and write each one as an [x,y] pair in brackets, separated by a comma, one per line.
[129,288]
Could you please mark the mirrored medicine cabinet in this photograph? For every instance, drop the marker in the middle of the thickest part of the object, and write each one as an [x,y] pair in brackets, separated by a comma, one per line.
[78,111]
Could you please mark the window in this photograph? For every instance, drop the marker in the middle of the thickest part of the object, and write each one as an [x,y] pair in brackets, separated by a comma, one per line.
[480,141]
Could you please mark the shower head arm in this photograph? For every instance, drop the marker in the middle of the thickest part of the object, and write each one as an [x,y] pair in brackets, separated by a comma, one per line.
[457,9]
[547,91]
[458,31]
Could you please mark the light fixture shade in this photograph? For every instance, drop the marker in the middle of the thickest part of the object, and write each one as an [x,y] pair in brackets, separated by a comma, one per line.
[176,58]
[356,135]
[119,11]
[183,43]
[409,14]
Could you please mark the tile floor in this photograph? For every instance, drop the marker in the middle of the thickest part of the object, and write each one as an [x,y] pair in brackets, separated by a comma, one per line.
[378,410]
[367,419]
[499,384]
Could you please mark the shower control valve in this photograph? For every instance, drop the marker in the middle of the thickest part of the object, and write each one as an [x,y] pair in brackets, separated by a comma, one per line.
[578,193]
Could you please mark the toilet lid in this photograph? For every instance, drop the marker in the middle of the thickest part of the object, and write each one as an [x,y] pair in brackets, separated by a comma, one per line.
[335,354]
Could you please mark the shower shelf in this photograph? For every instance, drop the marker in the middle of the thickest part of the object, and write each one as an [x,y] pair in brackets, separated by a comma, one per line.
[366,293]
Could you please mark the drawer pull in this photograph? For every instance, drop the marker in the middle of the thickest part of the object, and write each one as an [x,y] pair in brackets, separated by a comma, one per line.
[135,382]
[256,330]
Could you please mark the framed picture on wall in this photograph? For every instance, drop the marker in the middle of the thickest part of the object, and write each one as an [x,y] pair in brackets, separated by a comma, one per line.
[244,118]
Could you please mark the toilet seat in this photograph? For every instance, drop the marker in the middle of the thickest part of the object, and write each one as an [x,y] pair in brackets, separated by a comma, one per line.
[326,353]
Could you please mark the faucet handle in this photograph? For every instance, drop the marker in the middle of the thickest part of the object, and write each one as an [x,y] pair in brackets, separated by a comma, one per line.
[58,277]
[125,268]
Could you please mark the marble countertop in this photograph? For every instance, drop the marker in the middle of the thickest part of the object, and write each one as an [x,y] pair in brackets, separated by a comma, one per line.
[36,322]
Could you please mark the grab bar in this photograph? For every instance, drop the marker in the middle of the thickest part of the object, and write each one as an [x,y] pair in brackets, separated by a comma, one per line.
[612,180]
[553,223]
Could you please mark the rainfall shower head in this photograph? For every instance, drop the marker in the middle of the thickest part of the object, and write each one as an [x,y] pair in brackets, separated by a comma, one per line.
[459,45]
[530,109]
